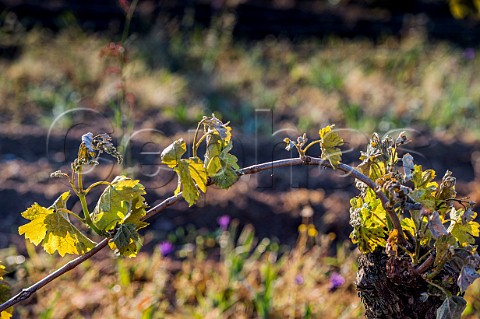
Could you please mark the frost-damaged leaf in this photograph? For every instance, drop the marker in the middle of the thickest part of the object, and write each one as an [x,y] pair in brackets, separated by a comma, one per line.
[91,148]
[408,166]
[451,308]
[329,143]
[467,276]
[173,153]
[53,231]
[446,190]
[122,199]
[213,124]
[126,242]
[435,225]
[191,172]
[289,144]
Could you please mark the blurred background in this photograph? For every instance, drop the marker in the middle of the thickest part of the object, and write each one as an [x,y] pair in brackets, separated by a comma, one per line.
[276,244]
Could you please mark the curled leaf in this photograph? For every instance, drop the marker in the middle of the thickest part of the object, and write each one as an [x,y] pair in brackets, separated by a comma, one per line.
[214,125]
[289,144]
[435,225]
[91,148]
[446,190]
[408,166]
[467,276]
[173,153]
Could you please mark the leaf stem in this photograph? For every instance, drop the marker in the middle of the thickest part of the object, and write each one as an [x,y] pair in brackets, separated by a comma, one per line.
[310,145]
[194,144]
[95,185]
[81,193]
[198,144]
[66,211]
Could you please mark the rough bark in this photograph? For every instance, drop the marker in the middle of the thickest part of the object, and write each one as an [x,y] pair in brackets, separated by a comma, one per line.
[389,288]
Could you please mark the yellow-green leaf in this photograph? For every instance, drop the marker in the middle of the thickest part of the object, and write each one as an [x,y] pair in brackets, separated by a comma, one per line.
[368,219]
[222,168]
[173,153]
[212,152]
[126,242]
[423,179]
[198,173]
[138,211]
[118,202]
[61,201]
[464,233]
[408,225]
[53,231]
[329,143]
[189,172]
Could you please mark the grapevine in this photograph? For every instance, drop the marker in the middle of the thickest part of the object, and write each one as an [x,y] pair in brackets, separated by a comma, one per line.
[426,233]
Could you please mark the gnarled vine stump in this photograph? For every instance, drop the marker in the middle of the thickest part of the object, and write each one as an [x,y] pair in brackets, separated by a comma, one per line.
[389,288]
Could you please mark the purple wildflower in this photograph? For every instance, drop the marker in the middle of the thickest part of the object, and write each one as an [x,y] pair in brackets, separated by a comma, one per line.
[336,281]
[223,221]
[469,54]
[166,248]
[299,279]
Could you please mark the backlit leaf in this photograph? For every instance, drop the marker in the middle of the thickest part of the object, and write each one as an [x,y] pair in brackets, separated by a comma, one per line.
[190,172]
[126,241]
[368,219]
[329,143]
[423,179]
[53,231]
[465,233]
[173,153]
[408,225]
[223,168]
[120,200]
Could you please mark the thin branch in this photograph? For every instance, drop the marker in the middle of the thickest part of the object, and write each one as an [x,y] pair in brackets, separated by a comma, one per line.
[27,292]
[306,160]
